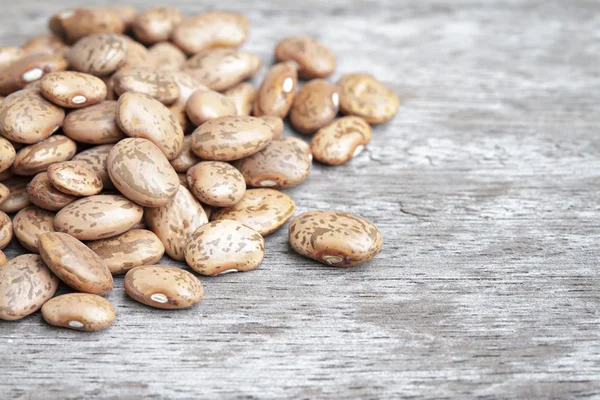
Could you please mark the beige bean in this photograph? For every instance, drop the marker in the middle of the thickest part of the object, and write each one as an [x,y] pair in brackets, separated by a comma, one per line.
[341,140]
[79,311]
[146,80]
[281,164]
[25,285]
[224,246]
[7,154]
[263,210]
[314,59]
[168,57]
[98,55]
[186,159]
[210,30]
[216,183]
[364,96]
[45,118]
[29,69]
[9,55]
[94,124]
[126,12]
[203,106]
[72,89]
[42,193]
[74,178]
[74,263]
[137,55]
[178,111]
[17,198]
[156,24]
[31,222]
[141,116]
[230,138]
[38,157]
[98,217]
[305,147]
[175,221]
[95,158]
[47,44]
[276,93]
[6,230]
[128,250]
[275,123]
[74,24]
[334,238]
[316,104]
[221,69]
[243,96]
[187,85]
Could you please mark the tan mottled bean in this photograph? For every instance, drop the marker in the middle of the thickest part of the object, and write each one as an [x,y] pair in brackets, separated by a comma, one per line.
[29,69]
[6,230]
[72,89]
[316,104]
[210,30]
[141,116]
[74,263]
[98,217]
[276,93]
[128,250]
[17,199]
[3,259]
[168,57]
[79,311]
[224,246]
[38,157]
[305,147]
[45,118]
[334,238]
[74,178]
[187,85]
[221,69]
[203,106]
[156,24]
[9,55]
[243,96]
[48,44]
[26,284]
[175,221]
[275,123]
[341,140]
[137,55]
[98,55]
[314,59]
[4,192]
[94,124]
[126,12]
[216,183]
[42,193]
[364,96]
[186,159]
[7,154]
[146,80]
[141,172]
[263,210]
[95,158]
[230,138]
[31,222]
[74,24]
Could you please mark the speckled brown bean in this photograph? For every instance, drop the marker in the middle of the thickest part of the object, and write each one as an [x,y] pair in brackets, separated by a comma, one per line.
[263,210]
[6,230]
[314,59]
[156,24]
[141,172]
[210,30]
[98,55]
[72,89]
[128,250]
[98,217]
[74,178]
[281,164]
[243,96]
[168,57]
[79,311]
[334,238]
[224,246]
[74,24]
[276,93]
[231,138]
[146,80]
[316,104]
[47,44]
[178,111]
[141,116]
[203,106]
[275,123]
[341,140]
[27,117]
[137,55]
[17,199]
[29,69]
[221,69]
[42,193]
[364,96]
[94,124]
[7,154]
[175,221]
[187,85]
[74,263]
[216,183]
[95,158]
[3,259]
[9,55]
[31,222]
[38,157]
[186,159]
[305,147]
[25,285]
[4,192]
[165,287]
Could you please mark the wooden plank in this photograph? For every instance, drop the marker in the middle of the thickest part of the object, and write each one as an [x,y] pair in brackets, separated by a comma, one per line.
[485,188]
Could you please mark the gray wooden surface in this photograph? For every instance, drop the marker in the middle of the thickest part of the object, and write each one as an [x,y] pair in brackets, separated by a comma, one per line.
[485,188]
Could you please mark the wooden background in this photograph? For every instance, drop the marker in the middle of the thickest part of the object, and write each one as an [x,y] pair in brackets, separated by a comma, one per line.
[484,186]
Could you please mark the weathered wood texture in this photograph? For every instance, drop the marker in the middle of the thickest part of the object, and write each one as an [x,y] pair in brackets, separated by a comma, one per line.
[485,188]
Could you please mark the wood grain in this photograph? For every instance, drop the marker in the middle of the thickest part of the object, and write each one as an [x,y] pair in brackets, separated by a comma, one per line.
[485,188]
